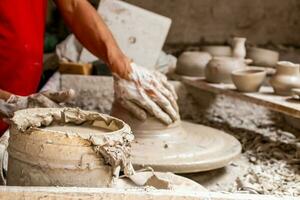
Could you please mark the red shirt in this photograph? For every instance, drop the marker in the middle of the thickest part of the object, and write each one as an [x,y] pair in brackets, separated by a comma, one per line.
[22,24]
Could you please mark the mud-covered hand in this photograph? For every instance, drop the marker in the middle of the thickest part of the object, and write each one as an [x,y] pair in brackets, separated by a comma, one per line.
[46,99]
[147,91]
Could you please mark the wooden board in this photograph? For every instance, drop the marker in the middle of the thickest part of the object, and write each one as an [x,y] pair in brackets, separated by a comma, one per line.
[60,193]
[265,97]
[139,33]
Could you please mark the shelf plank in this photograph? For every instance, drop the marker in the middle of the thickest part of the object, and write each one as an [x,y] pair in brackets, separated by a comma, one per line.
[265,97]
[73,193]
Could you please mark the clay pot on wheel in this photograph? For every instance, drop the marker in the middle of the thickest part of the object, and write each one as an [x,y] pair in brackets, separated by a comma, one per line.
[181,147]
[219,69]
[286,78]
[192,63]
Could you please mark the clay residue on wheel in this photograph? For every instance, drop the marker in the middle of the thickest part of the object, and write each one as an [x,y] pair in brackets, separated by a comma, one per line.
[113,146]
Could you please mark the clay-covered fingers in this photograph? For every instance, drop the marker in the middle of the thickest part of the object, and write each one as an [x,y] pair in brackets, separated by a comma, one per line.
[163,79]
[149,104]
[7,110]
[60,96]
[138,112]
[41,101]
[163,102]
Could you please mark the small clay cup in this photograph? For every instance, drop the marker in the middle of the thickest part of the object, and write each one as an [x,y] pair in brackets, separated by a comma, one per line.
[248,80]
[263,57]
[217,50]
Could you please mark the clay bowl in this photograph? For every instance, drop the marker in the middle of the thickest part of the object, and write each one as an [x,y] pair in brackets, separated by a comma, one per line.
[248,80]
[192,63]
[263,57]
[217,50]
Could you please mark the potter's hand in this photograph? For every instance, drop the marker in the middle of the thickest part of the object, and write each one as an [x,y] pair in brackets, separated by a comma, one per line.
[146,91]
[46,99]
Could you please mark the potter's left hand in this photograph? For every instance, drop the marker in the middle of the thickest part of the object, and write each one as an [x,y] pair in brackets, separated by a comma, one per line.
[46,99]
[147,91]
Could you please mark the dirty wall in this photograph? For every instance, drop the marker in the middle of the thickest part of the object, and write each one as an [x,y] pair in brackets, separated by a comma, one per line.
[214,21]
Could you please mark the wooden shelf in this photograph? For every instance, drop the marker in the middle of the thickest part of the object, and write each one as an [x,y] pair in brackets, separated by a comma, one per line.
[265,97]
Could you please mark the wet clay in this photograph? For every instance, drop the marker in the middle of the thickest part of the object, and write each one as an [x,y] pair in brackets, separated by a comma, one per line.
[71,147]
[55,146]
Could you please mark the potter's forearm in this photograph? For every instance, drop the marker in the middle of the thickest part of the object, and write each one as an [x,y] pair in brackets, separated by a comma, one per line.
[4,95]
[91,31]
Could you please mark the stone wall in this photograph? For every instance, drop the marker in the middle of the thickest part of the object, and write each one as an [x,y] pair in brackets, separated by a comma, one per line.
[214,21]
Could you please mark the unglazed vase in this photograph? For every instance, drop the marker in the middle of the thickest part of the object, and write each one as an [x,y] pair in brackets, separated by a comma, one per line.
[286,78]
[238,47]
[219,69]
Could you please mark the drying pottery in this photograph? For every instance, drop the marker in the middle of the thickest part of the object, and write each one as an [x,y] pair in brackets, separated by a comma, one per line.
[286,78]
[181,147]
[216,50]
[192,63]
[238,47]
[248,80]
[219,69]
[263,57]
[67,147]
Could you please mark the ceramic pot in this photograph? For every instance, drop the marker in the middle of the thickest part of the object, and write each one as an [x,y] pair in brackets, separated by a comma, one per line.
[238,47]
[248,80]
[192,63]
[53,152]
[286,78]
[217,50]
[263,57]
[219,69]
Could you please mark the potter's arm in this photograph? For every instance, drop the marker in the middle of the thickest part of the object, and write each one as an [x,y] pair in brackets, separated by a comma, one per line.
[4,95]
[92,32]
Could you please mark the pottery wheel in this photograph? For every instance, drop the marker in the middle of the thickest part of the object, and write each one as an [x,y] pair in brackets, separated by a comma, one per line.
[201,149]
[175,182]
[182,147]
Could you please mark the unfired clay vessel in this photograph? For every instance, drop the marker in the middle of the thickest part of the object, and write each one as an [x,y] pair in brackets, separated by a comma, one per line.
[65,147]
[286,78]
[192,63]
[219,69]
[263,57]
[181,147]
[248,80]
[238,47]
[217,50]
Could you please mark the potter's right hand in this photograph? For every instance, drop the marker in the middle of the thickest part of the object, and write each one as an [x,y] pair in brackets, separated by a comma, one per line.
[46,99]
[145,92]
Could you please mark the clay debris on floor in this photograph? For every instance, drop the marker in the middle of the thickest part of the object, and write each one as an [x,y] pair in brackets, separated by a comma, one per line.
[270,158]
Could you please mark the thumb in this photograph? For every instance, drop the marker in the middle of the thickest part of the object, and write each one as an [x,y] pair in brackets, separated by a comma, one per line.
[60,96]
[7,110]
